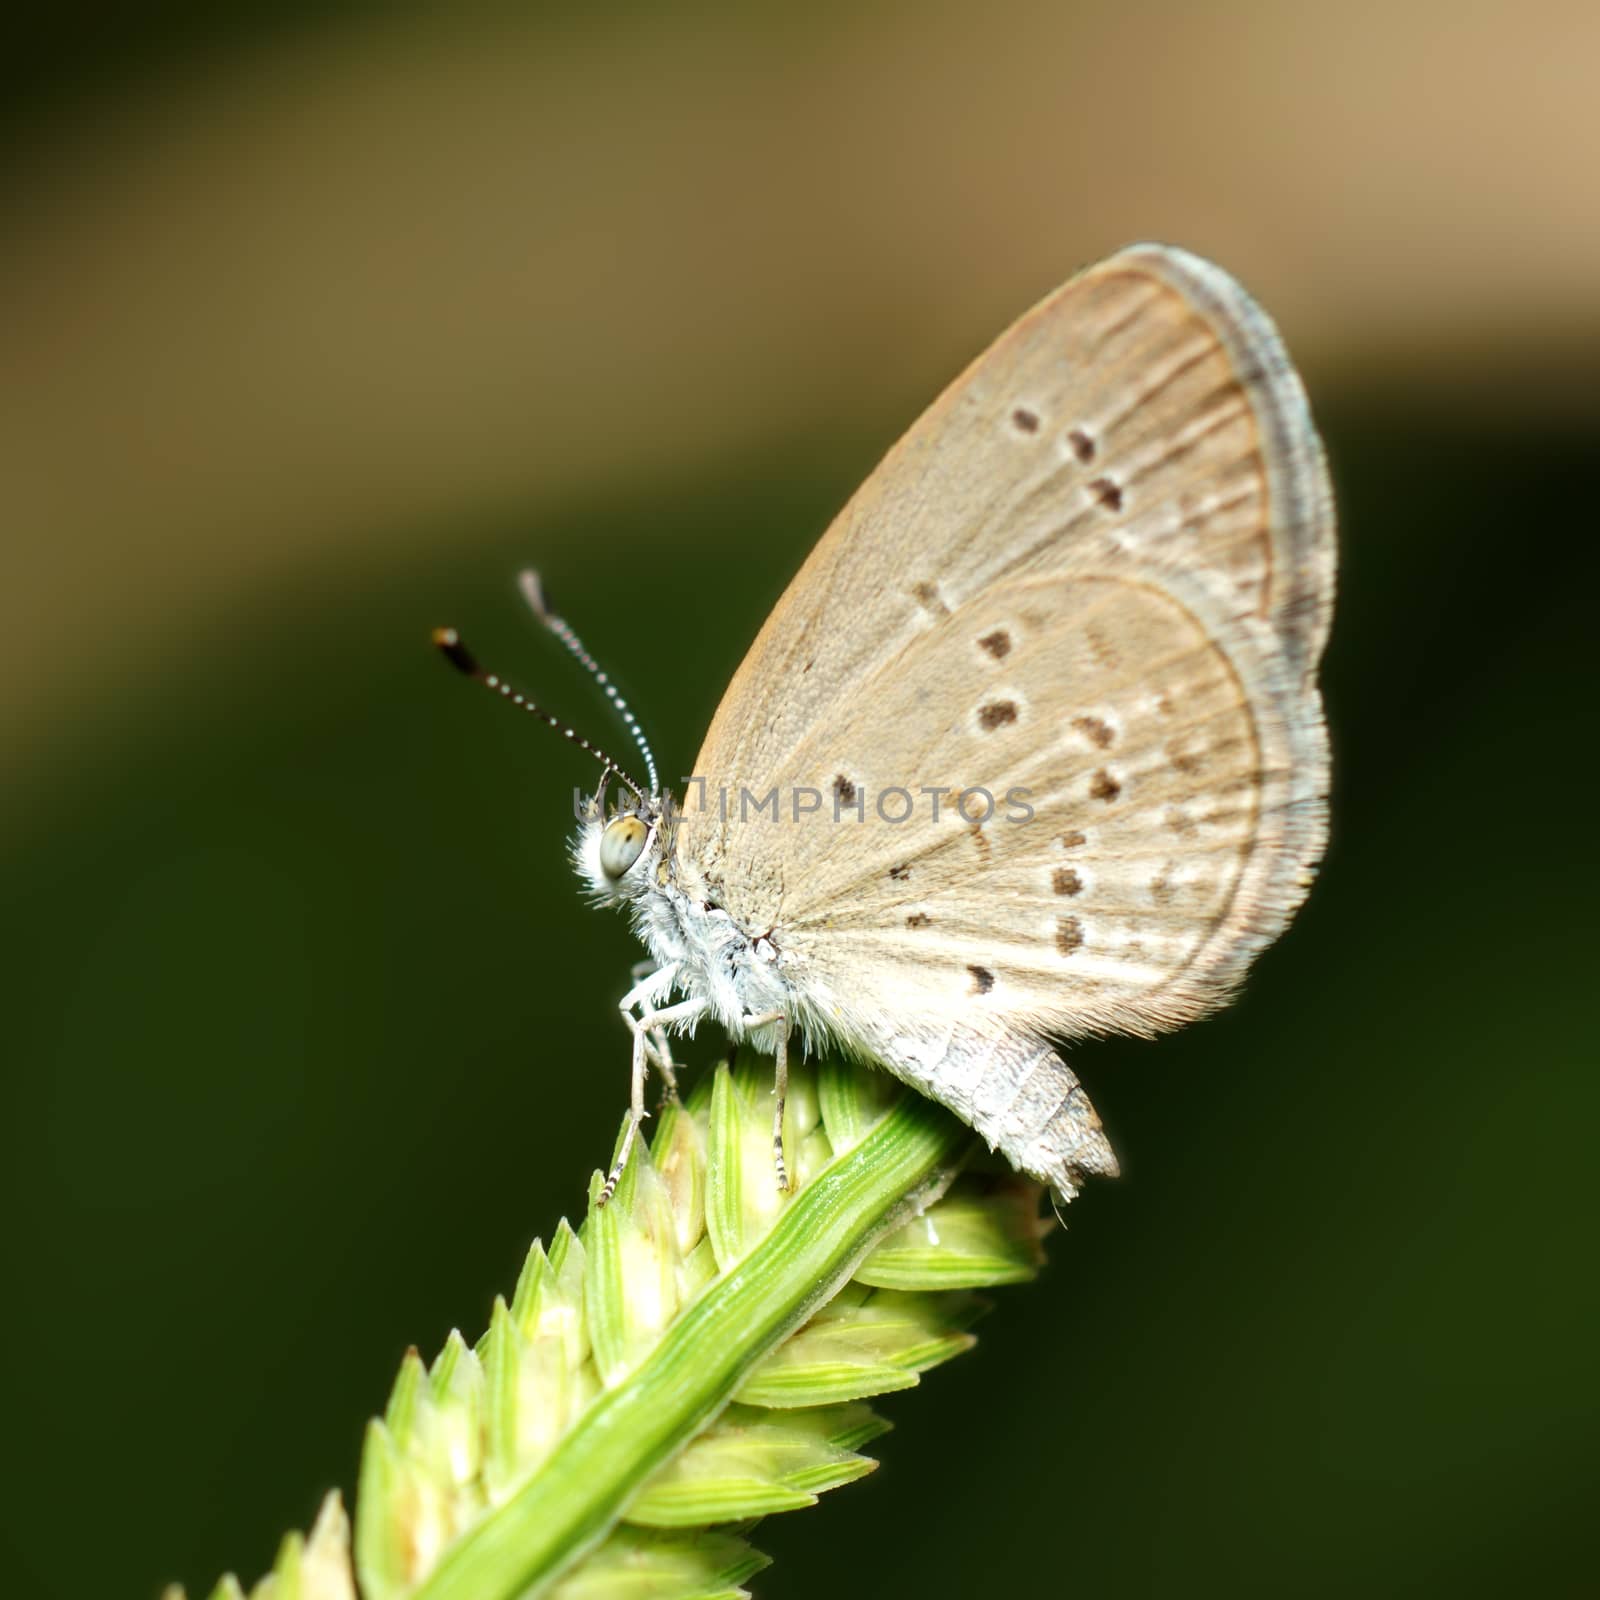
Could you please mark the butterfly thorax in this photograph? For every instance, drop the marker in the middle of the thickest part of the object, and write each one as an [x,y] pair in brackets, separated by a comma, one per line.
[737,971]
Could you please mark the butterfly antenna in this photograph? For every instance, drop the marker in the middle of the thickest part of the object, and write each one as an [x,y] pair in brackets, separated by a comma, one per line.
[462,659]
[533,593]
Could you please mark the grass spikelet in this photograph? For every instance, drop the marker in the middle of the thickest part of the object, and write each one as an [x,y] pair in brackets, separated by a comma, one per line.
[697,1355]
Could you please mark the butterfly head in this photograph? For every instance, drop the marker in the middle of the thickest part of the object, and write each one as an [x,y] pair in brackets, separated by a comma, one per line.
[621,855]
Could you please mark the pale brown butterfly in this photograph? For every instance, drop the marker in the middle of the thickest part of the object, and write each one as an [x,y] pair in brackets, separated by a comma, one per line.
[1031,748]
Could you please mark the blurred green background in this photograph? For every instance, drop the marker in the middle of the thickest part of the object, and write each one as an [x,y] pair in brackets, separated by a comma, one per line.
[317,324]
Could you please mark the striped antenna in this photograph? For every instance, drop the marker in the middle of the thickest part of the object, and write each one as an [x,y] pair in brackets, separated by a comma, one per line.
[533,593]
[462,659]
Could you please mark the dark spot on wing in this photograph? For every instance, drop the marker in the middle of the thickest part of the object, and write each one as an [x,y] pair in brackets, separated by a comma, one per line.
[845,790]
[996,714]
[1065,881]
[929,598]
[1071,841]
[1069,935]
[998,643]
[1108,492]
[900,874]
[1100,649]
[1096,729]
[1024,420]
[1082,445]
[982,979]
[1161,889]
[1104,787]
[919,919]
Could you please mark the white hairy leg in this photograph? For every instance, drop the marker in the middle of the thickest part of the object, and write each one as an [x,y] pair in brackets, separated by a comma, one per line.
[648,1022]
[651,983]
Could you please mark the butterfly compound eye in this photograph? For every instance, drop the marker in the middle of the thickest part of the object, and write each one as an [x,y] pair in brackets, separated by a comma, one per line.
[620,845]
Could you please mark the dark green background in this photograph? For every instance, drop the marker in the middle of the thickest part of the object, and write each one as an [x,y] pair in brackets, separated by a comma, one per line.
[308,1033]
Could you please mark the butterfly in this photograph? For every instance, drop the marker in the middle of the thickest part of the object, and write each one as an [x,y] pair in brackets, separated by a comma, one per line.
[1031,749]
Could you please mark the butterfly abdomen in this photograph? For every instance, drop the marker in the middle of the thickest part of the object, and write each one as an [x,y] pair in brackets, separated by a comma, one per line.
[1016,1093]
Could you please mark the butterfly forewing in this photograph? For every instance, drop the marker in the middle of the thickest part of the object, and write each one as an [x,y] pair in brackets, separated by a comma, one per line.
[1049,680]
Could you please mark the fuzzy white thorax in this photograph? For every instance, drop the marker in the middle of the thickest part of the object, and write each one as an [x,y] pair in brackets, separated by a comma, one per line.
[699,950]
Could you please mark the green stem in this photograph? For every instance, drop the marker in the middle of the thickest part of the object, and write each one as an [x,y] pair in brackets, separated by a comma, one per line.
[629,1432]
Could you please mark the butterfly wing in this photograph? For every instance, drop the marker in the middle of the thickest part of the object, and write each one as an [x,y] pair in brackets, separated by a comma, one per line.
[1050,677]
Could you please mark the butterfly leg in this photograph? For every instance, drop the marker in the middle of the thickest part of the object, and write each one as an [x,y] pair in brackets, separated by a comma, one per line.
[661,1055]
[660,1050]
[642,1026]
[650,981]
[780,1087]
